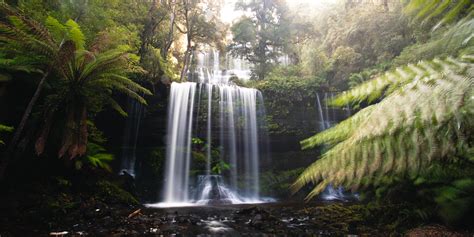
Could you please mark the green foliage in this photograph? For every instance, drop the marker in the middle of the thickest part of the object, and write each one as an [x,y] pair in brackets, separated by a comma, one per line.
[4,128]
[262,36]
[441,191]
[96,157]
[84,88]
[75,34]
[347,41]
[112,193]
[197,141]
[59,204]
[156,66]
[424,116]
[443,43]
[83,81]
[365,219]
[442,11]
[63,32]
[286,91]
[25,44]
[219,166]
[455,200]
[278,182]
[366,74]
[156,161]
[96,17]
[343,61]
[450,186]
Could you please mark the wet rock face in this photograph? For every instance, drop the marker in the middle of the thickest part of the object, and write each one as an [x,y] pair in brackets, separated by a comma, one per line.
[211,190]
[215,193]
[216,202]
[216,196]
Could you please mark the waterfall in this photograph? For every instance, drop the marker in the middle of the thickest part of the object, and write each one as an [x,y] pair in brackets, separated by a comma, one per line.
[233,125]
[327,118]
[209,128]
[132,126]
[178,148]
[236,66]
[321,121]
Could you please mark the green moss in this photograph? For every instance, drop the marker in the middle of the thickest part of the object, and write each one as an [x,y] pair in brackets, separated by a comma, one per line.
[367,220]
[156,160]
[278,182]
[112,193]
[60,203]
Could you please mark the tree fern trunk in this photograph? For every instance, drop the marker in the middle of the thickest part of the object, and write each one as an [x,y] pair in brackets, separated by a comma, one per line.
[21,126]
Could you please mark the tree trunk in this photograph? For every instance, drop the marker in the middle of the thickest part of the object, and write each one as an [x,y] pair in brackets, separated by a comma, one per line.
[147,32]
[21,126]
[170,34]
[189,34]
[385,5]
[186,63]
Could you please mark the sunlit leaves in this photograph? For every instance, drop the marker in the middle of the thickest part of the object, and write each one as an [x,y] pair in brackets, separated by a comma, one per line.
[75,34]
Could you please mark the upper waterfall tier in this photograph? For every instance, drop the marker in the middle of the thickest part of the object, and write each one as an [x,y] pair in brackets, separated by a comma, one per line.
[213,69]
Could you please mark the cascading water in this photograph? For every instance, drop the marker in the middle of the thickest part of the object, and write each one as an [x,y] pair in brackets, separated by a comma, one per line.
[230,118]
[132,126]
[178,148]
[327,119]
[326,113]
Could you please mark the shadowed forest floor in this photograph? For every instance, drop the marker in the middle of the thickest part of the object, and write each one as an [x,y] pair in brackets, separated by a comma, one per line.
[294,219]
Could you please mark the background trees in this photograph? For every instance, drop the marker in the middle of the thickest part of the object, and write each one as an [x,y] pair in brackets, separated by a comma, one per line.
[199,23]
[261,37]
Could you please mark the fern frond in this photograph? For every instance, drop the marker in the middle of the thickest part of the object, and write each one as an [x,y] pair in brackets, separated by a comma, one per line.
[75,34]
[423,118]
[393,80]
[127,83]
[116,106]
[446,10]
[56,28]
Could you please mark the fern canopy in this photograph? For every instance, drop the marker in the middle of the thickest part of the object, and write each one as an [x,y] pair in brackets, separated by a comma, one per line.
[425,114]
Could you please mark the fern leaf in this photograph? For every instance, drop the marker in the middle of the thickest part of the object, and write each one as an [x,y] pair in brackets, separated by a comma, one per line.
[75,34]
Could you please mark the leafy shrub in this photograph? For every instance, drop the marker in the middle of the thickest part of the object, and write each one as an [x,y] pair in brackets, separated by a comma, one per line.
[96,157]
[111,193]
[4,128]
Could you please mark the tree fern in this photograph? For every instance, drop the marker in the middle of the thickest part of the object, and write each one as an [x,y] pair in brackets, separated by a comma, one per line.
[424,115]
[446,10]
[87,84]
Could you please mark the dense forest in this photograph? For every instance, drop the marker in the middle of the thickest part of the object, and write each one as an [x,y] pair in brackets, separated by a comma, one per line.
[236,117]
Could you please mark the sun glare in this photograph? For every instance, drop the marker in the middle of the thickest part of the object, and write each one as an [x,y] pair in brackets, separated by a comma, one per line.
[229,14]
